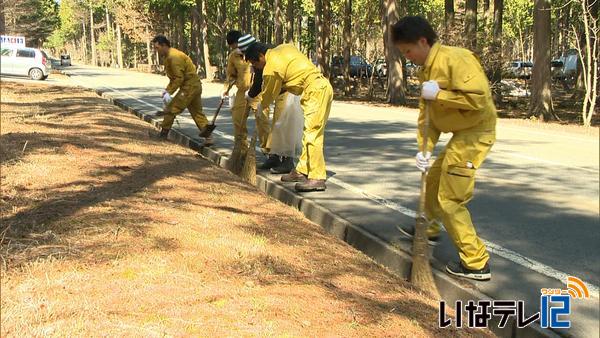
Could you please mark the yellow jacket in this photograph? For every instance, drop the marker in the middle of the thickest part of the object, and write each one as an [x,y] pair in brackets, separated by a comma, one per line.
[238,71]
[287,69]
[465,100]
[181,72]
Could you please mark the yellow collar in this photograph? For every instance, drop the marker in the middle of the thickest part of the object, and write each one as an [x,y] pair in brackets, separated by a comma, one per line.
[267,55]
[431,57]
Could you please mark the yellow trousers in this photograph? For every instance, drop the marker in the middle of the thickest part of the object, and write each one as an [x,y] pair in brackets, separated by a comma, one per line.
[316,103]
[450,185]
[192,101]
[239,114]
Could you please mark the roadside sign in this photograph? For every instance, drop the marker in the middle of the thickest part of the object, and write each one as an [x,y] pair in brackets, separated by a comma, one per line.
[12,40]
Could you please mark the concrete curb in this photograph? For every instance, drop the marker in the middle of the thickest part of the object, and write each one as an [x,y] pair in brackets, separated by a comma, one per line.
[384,253]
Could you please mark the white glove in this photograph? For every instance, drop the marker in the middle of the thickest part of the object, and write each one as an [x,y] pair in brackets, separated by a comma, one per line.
[248,98]
[224,95]
[166,97]
[423,161]
[430,90]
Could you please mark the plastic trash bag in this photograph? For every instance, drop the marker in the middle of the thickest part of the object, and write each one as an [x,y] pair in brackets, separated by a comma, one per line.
[230,99]
[286,136]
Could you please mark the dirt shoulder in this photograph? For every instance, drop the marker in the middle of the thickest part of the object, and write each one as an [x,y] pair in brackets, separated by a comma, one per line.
[105,232]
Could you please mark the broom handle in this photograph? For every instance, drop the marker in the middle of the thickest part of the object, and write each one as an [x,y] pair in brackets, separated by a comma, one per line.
[220,106]
[424,174]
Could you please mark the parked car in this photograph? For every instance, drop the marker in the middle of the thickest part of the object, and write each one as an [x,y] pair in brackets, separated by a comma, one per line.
[519,70]
[411,69]
[65,60]
[359,67]
[568,69]
[381,67]
[24,61]
[556,67]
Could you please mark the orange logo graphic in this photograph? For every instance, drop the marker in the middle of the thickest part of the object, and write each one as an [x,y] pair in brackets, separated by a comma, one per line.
[576,288]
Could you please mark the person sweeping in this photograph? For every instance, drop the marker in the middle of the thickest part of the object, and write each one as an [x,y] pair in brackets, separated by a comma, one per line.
[274,163]
[285,68]
[239,73]
[459,96]
[183,77]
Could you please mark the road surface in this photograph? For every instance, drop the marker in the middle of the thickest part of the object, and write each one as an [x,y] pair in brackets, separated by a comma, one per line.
[536,202]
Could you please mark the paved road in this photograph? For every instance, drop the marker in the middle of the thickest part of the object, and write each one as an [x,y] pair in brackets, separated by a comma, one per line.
[536,203]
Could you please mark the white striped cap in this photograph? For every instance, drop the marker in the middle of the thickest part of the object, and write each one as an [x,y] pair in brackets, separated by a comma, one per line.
[245,41]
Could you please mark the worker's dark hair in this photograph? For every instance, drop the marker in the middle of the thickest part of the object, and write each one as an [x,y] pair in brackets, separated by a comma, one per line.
[410,29]
[233,36]
[161,40]
[253,52]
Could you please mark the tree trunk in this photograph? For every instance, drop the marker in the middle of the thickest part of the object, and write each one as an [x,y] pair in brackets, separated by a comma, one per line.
[588,54]
[194,38]
[347,45]
[210,75]
[396,92]
[248,13]
[322,34]
[2,18]
[278,23]
[326,38]
[289,33]
[299,30]
[148,48]
[448,17]
[223,51]
[109,33]
[319,32]
[107,20]
[84,41]
[135,56]
[541,96]
[242,17]
[471,24]
[496,47]
[197,12]
[262,32]
[92,39]
[119,46]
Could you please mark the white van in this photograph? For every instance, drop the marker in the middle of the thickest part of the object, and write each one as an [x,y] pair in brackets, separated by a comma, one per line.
[24,61]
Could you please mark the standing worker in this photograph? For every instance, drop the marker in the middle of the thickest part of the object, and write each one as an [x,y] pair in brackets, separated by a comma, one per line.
[274,163]
[285,68]
[182,75]
[239,73]
[456,88]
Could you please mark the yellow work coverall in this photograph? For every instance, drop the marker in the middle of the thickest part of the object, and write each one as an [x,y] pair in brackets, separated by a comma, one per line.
[288,69]
[464,107]
[238,73]
[182,75]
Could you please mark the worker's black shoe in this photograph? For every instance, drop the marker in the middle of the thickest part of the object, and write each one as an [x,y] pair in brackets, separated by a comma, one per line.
[208,141]
[160,113]
[409,231]
[311,185]
[285,167]
[457,269]
[294,176]
[163,135]
[271,162]
[206,132]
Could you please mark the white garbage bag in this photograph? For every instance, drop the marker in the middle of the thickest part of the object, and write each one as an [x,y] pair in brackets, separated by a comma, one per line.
[286,136]
[230,100]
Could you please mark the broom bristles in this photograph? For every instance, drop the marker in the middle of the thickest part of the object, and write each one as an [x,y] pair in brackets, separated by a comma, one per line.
[236,159]
[249,169]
